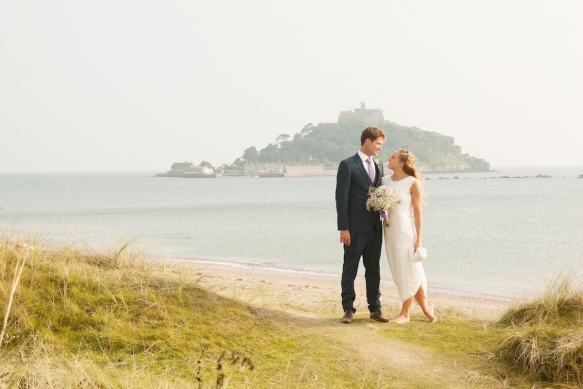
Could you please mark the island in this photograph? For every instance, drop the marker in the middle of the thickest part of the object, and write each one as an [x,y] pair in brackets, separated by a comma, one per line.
[316,150]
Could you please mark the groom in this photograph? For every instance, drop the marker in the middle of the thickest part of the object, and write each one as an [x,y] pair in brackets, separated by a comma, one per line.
[360,230]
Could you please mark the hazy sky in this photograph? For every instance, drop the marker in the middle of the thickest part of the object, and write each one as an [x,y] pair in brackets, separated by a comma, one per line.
[120,85]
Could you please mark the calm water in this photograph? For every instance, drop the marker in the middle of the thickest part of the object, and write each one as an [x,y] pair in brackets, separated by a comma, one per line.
[483,235]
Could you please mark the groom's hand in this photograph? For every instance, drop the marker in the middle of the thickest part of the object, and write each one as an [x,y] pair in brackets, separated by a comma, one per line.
[345,237]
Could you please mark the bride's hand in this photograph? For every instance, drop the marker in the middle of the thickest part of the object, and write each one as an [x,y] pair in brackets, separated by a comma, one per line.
[417,245]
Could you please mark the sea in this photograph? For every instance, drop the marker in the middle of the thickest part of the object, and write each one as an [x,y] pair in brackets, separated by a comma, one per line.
[504,233]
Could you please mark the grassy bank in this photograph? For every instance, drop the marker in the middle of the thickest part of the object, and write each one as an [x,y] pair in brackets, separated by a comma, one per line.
[83,319]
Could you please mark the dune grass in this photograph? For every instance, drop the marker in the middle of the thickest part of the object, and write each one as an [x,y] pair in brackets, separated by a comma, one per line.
[545,335]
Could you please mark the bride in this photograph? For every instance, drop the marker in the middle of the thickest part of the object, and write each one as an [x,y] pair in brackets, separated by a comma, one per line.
[403,237]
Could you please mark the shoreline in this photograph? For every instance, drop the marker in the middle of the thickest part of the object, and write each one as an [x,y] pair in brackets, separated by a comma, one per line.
[256,268]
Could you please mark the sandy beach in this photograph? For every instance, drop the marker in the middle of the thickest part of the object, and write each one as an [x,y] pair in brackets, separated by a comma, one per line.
[312,294]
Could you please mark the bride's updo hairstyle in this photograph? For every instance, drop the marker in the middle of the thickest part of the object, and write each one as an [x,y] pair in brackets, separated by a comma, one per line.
[409,160]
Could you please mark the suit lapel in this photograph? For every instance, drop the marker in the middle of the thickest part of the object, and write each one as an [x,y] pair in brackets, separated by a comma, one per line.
[360,165]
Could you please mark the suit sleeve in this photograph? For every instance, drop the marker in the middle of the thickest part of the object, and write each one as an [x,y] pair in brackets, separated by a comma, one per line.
[342,195]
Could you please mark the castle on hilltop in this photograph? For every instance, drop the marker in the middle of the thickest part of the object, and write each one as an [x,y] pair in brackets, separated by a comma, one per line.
[368,116]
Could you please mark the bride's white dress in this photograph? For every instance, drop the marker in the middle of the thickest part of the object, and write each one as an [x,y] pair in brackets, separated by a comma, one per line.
[400,238]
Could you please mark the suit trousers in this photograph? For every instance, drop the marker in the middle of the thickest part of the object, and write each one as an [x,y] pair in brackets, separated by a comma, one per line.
[368,245]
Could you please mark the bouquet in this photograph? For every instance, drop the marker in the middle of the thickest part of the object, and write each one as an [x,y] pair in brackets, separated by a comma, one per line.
[382,199]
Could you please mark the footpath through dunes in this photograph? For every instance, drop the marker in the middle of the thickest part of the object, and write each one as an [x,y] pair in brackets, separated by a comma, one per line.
[77,318]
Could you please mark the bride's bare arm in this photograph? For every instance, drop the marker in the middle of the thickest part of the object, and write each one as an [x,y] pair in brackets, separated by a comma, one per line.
[417,213]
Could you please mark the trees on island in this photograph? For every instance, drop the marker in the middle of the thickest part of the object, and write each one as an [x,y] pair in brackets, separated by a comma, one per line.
[329,143]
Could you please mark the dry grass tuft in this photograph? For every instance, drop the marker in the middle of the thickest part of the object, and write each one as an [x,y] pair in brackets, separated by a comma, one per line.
[43,368]
[561,299]
[545,338]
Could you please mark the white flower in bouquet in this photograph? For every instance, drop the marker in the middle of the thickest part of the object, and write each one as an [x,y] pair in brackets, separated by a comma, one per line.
[383,199]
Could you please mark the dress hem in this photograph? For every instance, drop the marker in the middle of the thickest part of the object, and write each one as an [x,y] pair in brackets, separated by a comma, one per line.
[413,295]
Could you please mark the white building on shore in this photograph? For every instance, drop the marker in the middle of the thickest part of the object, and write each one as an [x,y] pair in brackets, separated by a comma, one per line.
[285,170]
[188,169]
[309,171]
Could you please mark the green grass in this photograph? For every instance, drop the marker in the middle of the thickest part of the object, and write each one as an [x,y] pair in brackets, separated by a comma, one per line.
[451,337]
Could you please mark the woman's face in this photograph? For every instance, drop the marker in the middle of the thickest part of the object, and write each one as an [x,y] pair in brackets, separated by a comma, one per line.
[394,163]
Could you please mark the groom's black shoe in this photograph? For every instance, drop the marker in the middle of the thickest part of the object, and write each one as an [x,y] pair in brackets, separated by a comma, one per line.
[378,316]
[347,318]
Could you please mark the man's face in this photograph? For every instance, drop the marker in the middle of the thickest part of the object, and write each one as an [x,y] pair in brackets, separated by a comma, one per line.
[372,147]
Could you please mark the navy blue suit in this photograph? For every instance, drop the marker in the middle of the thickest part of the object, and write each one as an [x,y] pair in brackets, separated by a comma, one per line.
[352,185]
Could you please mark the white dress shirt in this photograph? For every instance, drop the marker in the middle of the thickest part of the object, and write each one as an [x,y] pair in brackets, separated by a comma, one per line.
[364,157]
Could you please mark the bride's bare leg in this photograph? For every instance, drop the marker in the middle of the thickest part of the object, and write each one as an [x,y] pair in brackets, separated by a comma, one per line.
[425,307]
[404,315]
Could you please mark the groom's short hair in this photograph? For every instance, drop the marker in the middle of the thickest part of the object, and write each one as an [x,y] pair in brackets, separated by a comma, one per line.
[372,133]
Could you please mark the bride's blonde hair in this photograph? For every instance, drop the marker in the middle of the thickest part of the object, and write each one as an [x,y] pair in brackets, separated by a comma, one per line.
[408,159]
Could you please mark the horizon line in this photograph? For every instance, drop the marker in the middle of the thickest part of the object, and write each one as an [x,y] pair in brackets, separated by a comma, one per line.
[492,168]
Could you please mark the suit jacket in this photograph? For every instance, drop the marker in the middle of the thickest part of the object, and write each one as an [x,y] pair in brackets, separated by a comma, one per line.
[352,184]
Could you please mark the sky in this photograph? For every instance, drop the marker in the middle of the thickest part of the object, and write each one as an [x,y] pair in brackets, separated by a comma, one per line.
[137,85]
